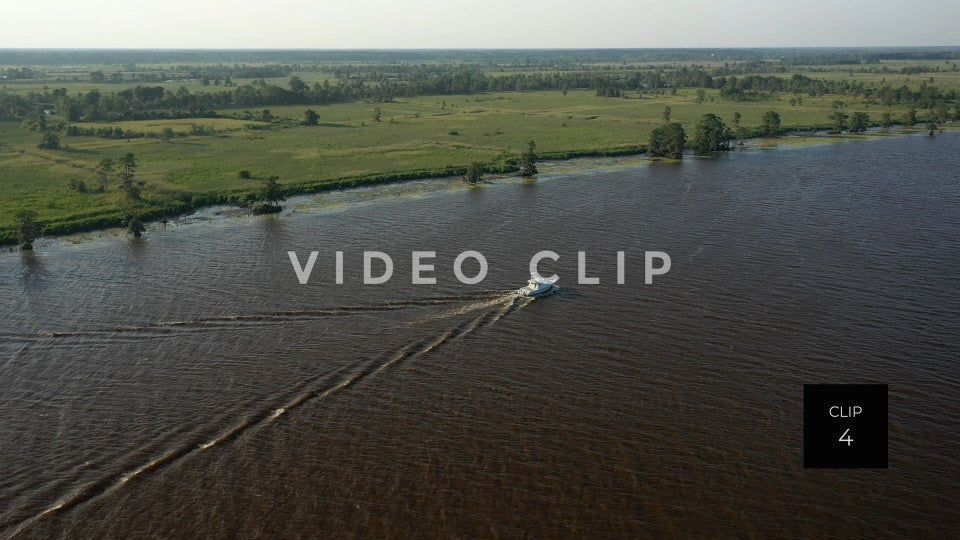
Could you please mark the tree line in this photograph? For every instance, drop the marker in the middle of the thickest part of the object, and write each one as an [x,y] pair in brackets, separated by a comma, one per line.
[146,102]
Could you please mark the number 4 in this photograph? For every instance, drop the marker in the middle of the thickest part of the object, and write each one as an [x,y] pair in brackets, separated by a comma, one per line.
[846,438]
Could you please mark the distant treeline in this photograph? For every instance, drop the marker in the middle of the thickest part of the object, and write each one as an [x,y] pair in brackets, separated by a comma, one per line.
[746,68]
[224,75]
[805,56]
[867,56]
[217,74]
[143,102]
[20,73]
[755,86]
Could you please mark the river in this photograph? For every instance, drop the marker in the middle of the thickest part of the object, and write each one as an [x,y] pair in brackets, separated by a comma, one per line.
[186,384]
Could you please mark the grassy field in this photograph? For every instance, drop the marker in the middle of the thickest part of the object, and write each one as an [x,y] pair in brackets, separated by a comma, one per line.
[428,135]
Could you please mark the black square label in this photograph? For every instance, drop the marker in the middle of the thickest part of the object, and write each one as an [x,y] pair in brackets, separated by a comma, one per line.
[845,426]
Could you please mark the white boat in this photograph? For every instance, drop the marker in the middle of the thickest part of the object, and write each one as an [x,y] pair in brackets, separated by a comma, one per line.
[537,286]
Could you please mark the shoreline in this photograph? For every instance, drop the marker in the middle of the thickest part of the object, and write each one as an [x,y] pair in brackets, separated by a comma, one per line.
[115,219]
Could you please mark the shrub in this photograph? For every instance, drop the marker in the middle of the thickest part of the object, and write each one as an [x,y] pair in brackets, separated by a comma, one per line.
[49,141]
[474,172]
[78,185]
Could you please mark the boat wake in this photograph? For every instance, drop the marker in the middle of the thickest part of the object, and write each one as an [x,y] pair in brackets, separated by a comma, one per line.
[488,308]
[224,322]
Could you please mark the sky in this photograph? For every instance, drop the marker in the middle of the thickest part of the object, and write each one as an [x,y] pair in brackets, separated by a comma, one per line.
[380,24]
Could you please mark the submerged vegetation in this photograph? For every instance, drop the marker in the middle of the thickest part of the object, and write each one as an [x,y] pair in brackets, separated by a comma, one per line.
[157,133]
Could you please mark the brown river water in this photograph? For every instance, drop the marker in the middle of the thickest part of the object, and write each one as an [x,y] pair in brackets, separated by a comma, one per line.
[186,385]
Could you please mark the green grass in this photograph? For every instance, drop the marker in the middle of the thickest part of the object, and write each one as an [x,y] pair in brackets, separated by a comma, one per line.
[416,137]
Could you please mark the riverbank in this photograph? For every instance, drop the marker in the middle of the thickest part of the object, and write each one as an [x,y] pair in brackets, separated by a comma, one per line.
[226,160]
[182,203]
[104,222]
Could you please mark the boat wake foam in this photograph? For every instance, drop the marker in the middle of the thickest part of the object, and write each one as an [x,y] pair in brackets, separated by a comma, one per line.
[494,306]
[221,322]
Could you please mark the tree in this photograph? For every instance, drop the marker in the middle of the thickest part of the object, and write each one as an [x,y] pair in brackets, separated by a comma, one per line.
[910,117]
[931,128]
[859,122]
[377,116]
[50,140]
[886,120]
[270,196]
[273,190]
[839,116]
[666,114]
[528,160]
[297,84]
[167,133]
[135,227]
[27,228]
[701,95]
[667,141]
[474,172]
[711,134]
[942,113]
[128,167]
[103,170]
[71,110]
[311,118]
[738,131]
[770,123]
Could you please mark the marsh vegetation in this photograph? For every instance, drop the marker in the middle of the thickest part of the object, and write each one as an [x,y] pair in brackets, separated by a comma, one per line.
[329,120]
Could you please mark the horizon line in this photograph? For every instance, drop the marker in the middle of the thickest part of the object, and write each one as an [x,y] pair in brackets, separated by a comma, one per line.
[300,49]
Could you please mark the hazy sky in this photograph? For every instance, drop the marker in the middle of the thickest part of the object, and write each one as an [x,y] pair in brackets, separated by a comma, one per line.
[475,24]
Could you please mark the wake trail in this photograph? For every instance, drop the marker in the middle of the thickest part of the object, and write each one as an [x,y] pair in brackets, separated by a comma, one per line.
[322,386]
[221,322]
